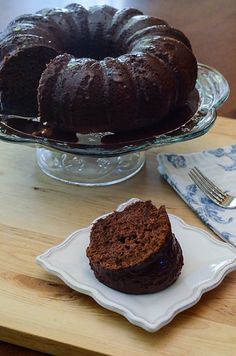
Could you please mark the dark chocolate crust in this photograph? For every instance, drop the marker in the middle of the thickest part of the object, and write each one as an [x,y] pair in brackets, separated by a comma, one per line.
[152,276]
[103,69]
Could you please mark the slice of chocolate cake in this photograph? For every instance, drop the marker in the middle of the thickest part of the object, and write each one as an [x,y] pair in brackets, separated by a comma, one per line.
[135,251]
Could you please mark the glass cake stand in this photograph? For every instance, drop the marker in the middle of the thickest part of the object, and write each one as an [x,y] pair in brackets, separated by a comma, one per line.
[106,158]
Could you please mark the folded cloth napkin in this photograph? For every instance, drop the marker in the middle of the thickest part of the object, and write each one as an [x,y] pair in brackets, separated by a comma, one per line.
[220,166]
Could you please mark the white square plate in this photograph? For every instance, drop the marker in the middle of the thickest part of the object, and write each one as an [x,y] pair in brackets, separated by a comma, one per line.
[206,263]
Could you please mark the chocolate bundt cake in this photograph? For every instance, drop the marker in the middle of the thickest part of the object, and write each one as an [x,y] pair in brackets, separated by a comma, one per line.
[106,69]
[135,251]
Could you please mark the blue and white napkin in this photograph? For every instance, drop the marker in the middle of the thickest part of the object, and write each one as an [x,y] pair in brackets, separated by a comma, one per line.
[217,164]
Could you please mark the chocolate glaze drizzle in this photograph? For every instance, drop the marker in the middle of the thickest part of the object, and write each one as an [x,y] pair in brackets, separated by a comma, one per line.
[33,128]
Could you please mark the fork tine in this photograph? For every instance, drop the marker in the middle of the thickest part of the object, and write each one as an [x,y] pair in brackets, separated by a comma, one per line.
[214,193]
[208,186]
[207,192]
[209,183]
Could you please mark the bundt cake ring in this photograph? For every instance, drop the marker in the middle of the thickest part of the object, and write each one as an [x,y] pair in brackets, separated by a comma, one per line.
[94,70]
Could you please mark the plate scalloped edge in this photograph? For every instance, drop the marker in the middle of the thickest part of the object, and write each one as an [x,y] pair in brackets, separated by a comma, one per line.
[175,309]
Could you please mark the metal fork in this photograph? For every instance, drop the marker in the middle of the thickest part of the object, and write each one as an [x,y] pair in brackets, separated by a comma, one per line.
[211,190]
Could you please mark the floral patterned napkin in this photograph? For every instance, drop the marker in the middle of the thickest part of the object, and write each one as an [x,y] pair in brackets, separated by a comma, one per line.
[220,166]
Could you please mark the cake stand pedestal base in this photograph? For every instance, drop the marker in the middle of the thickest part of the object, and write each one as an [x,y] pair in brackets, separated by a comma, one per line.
[87,170]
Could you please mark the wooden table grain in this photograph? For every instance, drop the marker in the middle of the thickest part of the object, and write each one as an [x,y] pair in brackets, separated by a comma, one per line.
[210,25]
[39,312]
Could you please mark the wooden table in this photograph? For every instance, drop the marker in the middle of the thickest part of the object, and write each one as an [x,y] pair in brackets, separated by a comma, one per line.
[39,312]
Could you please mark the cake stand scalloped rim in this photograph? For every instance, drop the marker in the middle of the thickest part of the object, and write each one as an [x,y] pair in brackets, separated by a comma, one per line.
[173,309]
[213,81]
